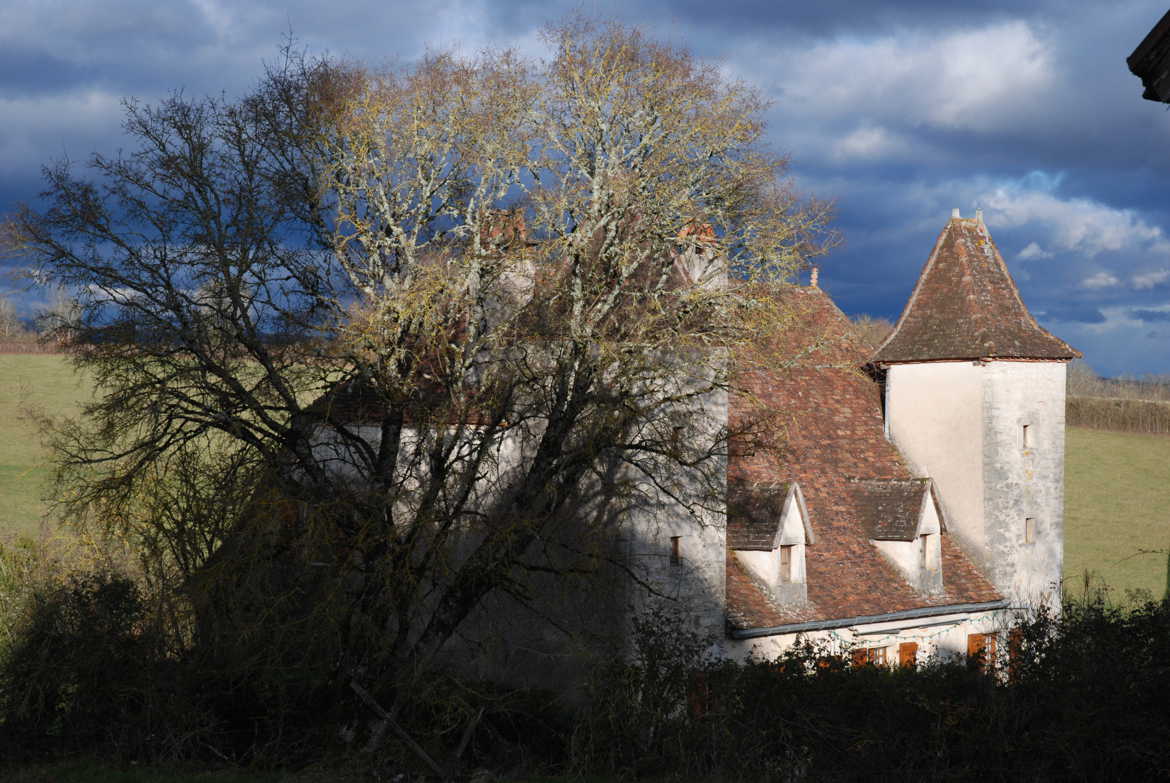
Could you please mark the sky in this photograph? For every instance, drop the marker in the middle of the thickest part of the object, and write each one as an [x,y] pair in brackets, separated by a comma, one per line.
[896,111]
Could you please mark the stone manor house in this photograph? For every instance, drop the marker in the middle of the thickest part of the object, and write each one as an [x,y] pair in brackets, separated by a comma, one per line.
[918,505]
[915,507]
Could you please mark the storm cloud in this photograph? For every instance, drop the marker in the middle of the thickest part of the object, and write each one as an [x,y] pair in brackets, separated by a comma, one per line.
[899,111]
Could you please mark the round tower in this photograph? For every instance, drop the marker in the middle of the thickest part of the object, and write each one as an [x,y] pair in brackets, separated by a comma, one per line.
[975,394]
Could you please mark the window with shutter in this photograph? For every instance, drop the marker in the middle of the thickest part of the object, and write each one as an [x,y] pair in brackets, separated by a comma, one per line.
[873,656]
[786,563]
[908,654]
[981,650]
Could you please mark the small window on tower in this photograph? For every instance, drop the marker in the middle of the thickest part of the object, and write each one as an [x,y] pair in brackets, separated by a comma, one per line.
[676,550]
[1029,530]
[1026,436]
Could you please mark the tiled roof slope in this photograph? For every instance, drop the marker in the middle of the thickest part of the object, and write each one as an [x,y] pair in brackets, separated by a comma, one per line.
[966,306]
[827,418]
[748,604]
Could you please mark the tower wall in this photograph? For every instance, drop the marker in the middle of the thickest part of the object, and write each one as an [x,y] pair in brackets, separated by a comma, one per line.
[962,424]
[934,415]
[1024,478]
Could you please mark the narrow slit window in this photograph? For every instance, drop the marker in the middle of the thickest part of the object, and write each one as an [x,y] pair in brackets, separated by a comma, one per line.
[676,550]
[1026,436]
[786,563]
[1029,530]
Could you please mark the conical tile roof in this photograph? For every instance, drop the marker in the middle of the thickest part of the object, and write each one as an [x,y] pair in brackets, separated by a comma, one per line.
[966,306]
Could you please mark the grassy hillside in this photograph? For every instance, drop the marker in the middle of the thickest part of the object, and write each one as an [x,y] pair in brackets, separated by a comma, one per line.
[1117,503]
[44,382]
[1117,491]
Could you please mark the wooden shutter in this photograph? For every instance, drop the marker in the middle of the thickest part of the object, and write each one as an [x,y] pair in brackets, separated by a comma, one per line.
[908,654]
[860,657]
[981,649]
[698,694]
[1015,650]
[786,563]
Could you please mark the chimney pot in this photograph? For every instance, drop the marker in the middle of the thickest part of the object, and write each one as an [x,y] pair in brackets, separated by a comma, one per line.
[812,280]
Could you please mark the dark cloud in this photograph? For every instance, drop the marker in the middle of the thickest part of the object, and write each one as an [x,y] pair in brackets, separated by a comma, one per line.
[899,111]
[1155,316]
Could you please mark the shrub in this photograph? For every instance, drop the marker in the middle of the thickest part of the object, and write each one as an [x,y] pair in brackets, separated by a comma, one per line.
[84,669]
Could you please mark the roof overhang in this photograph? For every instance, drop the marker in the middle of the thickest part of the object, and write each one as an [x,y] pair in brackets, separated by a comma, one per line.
[846,622]
[1150,62]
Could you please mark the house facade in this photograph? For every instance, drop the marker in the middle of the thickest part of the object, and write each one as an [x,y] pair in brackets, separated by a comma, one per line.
[914,503]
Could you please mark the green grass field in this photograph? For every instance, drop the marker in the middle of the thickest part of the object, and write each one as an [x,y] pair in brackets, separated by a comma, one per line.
[1117,504]
[1117,500]
[42,382]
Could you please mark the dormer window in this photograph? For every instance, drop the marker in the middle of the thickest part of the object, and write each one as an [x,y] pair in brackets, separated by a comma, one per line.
[767,532]
[906,525]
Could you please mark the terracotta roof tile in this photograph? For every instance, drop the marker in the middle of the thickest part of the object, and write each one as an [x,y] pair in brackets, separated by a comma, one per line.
[826,414]
[750,603]
[966,306]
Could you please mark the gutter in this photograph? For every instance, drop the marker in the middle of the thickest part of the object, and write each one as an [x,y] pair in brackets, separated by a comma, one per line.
[905,614]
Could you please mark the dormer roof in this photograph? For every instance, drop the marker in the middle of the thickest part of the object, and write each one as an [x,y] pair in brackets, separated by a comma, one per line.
[892,509]
[756,514]
[966,306]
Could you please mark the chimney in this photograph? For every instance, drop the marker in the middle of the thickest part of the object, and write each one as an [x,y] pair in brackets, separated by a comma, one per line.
[812,278]
[955,212]
[979,216]
[501,228]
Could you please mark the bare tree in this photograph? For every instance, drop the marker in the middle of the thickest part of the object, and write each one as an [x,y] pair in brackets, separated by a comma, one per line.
[428,317]
[871,331]
[10,325]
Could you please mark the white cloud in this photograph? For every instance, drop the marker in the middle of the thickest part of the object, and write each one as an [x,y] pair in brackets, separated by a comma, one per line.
[869,143]
[1078,225]
[1150,279]
[1100,280]
[1033,251]
[975,79]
